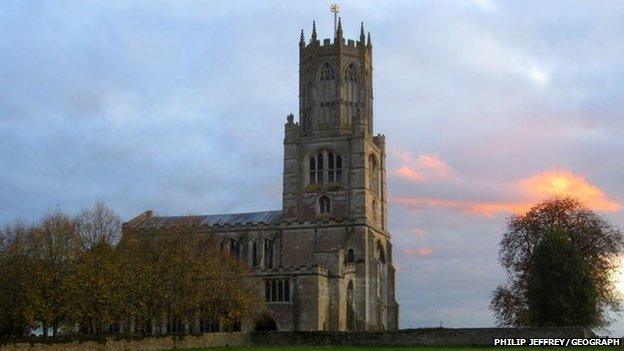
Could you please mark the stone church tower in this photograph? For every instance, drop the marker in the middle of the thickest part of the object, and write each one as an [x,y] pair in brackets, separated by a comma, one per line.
[324,262]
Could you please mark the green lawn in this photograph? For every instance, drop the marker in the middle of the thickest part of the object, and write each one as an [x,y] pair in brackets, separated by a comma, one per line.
[357,348]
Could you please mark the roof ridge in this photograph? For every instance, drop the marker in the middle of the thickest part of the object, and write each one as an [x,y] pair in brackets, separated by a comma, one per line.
[218,214]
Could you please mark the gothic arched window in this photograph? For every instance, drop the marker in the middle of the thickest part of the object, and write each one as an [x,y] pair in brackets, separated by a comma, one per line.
[327,72]
[351,73]
[350,256]
[234,248]
[373,168]
[326,94]
[268,253]
[381,261]
[325,167]
[351,91]
[374,208]
[255,257]
[324,204]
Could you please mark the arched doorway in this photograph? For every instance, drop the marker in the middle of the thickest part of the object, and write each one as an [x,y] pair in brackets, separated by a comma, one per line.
[265,323]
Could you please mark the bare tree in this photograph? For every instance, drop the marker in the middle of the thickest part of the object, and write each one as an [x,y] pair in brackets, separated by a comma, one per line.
[98,224]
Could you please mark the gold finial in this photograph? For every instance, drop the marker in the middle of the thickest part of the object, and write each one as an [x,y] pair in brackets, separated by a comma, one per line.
[335,9]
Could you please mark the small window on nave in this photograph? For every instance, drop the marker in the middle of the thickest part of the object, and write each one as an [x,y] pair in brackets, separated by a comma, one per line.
[324,204]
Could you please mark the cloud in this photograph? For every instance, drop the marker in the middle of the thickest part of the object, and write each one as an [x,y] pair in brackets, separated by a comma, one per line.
[418,251]
[562,183]
[425,167]
[513,196]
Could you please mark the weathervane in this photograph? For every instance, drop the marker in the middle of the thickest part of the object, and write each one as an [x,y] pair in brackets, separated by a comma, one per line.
[335,9]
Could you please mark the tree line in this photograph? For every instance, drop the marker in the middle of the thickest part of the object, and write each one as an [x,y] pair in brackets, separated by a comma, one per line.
[78,274]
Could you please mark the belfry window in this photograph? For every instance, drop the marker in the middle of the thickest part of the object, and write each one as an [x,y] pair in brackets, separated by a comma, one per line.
[324,204]
[325,167]
[351,73]
[327,72]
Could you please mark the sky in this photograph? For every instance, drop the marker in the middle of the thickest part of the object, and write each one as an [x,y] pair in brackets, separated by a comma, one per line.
[178,106]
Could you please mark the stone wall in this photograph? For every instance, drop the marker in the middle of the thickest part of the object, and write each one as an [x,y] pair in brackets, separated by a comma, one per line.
[145,344]
[414,337]
[407,337]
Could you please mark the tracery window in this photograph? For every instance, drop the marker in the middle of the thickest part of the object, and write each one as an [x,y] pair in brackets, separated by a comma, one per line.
[351,73]
[324,204]
[325,167]
[277,290]
[326,96]
[351,90]
[327,72]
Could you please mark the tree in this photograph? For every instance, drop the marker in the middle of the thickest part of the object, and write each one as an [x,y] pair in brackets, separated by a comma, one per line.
[178,271]
[99,283]
[56,247]
[560,290]
[17,292]
[596,240]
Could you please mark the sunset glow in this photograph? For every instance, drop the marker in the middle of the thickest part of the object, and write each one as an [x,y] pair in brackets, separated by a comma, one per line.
[558,183]
[519,195]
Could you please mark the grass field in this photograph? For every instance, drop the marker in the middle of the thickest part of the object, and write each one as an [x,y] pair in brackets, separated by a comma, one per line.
[354,348]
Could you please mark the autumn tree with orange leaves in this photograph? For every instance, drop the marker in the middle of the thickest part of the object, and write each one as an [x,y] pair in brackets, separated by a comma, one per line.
[76,274]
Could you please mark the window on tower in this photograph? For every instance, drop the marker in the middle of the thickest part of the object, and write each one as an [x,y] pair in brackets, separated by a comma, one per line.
[351,73]
[373,168]
[327,72]
[325,167]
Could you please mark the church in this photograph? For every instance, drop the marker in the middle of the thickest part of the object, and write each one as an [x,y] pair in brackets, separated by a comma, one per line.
[324,261]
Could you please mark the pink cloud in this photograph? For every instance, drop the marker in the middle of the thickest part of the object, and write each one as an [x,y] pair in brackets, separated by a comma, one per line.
[425,167]
[514,196]
[419,232]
